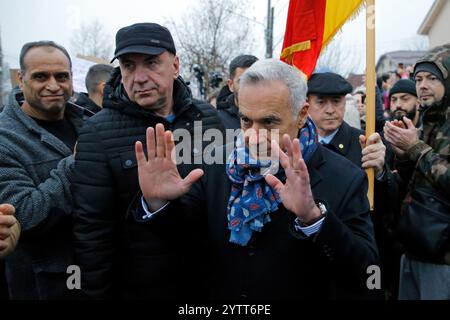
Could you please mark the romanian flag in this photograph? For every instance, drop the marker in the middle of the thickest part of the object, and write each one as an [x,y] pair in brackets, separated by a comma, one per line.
[311,25]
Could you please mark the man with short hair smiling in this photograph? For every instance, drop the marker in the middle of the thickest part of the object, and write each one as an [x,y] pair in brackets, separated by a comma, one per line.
[37,140]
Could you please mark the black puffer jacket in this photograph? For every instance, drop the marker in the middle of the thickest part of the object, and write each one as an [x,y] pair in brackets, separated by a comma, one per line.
[229,113]
[117,257]
[82,99]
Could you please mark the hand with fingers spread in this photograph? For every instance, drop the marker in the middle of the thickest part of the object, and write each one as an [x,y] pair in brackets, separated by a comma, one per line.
[296,193]
[159,178]
[373,152]
[402,135]
[9,229]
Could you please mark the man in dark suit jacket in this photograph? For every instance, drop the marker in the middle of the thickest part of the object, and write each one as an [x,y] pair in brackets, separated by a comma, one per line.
[302,232]
[326,97]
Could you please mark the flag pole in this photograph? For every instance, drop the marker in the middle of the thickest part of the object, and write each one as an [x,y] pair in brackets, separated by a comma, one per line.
[370,86]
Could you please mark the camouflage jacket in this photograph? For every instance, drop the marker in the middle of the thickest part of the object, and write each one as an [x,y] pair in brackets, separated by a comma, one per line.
[430,156]
[432,151]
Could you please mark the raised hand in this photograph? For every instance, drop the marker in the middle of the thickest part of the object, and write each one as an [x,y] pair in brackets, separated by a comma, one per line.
[296,193]
[402,135]
[159,178]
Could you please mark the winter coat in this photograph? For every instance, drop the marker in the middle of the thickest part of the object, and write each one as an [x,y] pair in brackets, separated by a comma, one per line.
[117,256]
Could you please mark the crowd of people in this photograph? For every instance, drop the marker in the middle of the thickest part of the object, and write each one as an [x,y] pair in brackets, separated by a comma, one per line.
[269,201]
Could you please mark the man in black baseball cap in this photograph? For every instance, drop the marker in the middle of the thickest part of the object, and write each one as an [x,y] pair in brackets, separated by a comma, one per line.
[148,66]
[143,91]
[146,38]
[404,101]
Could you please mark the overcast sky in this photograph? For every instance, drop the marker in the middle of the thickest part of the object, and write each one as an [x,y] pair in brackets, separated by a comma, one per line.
[29,20]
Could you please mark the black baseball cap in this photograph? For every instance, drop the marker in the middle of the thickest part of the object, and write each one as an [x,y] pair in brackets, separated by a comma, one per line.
[147,38]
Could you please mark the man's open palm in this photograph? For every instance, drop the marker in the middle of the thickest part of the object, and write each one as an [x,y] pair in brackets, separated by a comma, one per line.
[159,178]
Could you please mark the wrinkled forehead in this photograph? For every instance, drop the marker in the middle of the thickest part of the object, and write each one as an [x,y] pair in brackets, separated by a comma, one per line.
[264,96]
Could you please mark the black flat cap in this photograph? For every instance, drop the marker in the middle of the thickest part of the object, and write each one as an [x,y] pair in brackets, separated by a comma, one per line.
[328,84]
[147,38]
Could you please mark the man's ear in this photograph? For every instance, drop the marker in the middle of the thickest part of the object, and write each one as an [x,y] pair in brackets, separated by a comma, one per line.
[101,87]
[303,116]
[230,85]
[21,76]
[176,64]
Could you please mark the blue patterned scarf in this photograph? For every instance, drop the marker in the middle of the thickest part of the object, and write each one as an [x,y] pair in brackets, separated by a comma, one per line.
[252,199]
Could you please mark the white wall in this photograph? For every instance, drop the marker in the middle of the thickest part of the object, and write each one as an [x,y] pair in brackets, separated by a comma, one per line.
[440,32]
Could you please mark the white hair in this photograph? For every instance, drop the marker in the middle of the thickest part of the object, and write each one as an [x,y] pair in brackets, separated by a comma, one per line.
[276,70]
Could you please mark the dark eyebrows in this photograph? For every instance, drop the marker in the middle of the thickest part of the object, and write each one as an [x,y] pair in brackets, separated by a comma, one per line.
[124,60]
[272,118]
[404,96]
[47,74]
[39,73]
[151,58]
[241,115]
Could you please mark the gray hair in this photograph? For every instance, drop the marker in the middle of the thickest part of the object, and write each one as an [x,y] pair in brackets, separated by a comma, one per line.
[276,70]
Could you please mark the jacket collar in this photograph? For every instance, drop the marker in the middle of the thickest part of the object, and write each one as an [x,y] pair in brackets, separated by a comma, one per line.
[434,113]
[73,114]
[229,106]
[342,140]
[314,164]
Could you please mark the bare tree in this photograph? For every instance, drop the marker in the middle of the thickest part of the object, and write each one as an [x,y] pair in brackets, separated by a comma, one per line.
[210,35]
[339,58]
[92,40]
[417,43]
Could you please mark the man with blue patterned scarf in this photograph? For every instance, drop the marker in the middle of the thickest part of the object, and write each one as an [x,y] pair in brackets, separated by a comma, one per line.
[298,230]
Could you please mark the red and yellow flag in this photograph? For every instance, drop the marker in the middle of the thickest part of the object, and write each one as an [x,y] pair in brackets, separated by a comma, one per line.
[311,25]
